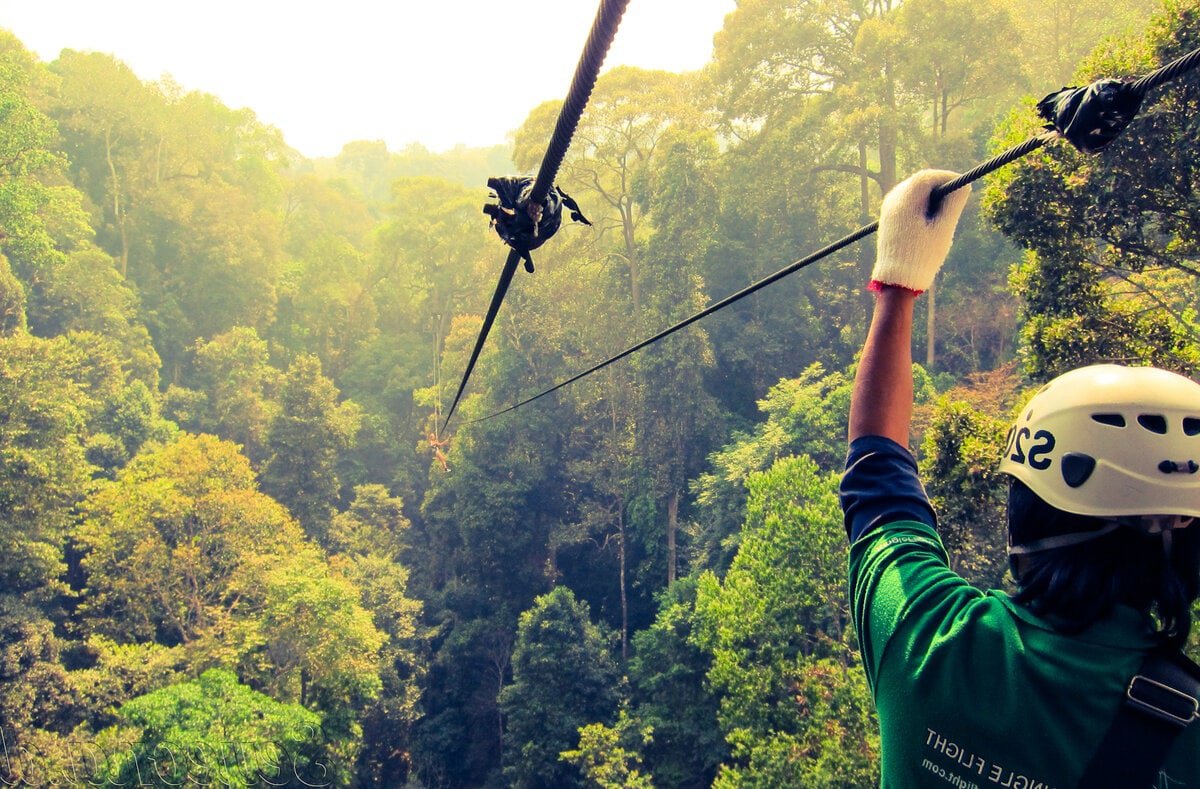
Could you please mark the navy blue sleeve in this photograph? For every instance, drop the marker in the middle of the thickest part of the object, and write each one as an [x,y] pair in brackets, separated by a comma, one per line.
[881,486]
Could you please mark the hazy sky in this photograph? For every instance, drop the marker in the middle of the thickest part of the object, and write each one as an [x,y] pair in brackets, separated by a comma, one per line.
[439,73]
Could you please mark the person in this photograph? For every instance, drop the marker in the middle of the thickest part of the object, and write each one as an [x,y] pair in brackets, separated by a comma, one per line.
[439,453]
[1026,690]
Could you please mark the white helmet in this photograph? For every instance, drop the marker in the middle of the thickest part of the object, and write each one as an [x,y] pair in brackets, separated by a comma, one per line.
[1111,441]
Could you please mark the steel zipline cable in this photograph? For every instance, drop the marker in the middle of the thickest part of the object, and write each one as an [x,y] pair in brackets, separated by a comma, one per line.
[604,30]
[1133,92]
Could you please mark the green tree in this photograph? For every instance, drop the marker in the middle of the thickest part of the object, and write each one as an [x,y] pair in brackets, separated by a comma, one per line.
[433,259]
[794,703]
[628,114]
[186,193]
[234,374]
[127,422]
[942,64]
[160,544]
[182,550]
[39,703]
[86,293]
[773,59]
[305,440]
[108,120]
[325,305]
[37,211]
[608,755]
[365,163]
[545,706]
[959,455]
[55,393]
[809,90]
[489,542]
[1055,35]
[805,415]
[368,540]
[12,301]
[667,675]
[213,730]
[675,411]
[206,259]
[459,739]
[305,637]
[1109,276]
[44,408]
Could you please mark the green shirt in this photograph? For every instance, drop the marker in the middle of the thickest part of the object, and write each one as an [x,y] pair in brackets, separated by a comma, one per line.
[973,690]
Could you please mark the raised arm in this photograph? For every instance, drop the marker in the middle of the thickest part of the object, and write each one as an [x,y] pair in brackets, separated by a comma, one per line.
[881,404]
[912,247]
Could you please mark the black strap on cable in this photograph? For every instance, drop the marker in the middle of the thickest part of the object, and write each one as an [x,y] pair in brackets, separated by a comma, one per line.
[1088,103]
[604,30]
[1161,701]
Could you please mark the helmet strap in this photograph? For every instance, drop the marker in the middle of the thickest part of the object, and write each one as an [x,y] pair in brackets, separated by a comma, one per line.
[1165,524]
[1062,540]
[1150,524]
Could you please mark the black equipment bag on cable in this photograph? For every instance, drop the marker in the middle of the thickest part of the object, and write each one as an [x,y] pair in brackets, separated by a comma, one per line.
[522,226]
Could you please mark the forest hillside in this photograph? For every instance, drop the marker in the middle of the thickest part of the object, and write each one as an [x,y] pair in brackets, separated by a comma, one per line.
[238,549]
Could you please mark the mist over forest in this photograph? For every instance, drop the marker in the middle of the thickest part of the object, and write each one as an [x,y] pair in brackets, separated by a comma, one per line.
[237,548]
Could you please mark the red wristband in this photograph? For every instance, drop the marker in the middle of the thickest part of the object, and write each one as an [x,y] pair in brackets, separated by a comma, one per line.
[877,286]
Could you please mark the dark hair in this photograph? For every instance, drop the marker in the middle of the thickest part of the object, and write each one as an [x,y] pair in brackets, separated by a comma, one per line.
[1077,585]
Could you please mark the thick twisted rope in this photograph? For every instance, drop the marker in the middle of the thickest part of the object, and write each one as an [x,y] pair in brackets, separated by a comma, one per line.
[1167,73]
[604,30]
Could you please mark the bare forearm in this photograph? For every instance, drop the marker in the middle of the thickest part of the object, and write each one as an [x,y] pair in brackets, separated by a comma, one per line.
[881,404]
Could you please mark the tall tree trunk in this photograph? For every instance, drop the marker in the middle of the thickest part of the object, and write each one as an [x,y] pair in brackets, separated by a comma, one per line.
[624,594]
[501,657]
[118,208]
[866,252]
[627,229]
[887,134]
[439,335]
[864,185]
[158,153]
[622,554]
[672,527]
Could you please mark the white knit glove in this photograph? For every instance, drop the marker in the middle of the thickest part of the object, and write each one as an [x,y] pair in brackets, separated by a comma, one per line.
[912,247]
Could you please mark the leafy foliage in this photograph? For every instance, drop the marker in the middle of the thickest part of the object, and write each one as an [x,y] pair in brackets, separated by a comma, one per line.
[545,707]
[672,699]
[960,452]
[1109,276]
[605,761]
[305,439]
[794,703]
[213,730]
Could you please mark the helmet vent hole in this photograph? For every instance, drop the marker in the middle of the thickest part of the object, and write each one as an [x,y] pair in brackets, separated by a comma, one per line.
[1076,468]
[1114,420]
[1155,423]
[1191,425]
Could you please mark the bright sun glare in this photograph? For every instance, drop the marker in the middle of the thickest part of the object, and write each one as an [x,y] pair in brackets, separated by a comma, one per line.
[441,74]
